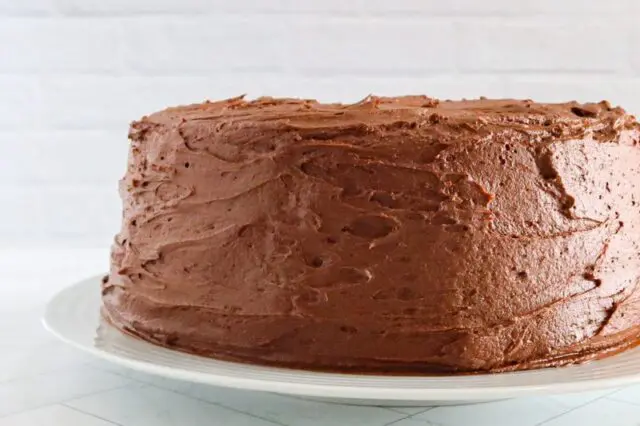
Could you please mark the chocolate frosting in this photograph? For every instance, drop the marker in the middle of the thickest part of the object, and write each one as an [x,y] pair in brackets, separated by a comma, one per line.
[392,235]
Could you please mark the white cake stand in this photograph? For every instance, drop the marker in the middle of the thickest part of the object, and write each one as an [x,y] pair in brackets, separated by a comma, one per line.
[73,316]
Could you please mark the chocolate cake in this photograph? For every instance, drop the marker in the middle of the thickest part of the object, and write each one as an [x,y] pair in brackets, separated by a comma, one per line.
[397,235]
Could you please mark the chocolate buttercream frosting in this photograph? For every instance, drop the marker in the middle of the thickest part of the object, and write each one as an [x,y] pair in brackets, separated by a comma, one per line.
[398,235]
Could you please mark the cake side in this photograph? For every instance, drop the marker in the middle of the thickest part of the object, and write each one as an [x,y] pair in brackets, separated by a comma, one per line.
[396,234]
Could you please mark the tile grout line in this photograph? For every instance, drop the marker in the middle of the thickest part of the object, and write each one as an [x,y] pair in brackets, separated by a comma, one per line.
[275,422]
[396,410]
[563,413]
[575,408]
[66,400]
[64,404]
[411,416]
[398,420]
[620,400]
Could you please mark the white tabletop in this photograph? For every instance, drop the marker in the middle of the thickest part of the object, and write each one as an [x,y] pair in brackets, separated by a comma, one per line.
[43,382]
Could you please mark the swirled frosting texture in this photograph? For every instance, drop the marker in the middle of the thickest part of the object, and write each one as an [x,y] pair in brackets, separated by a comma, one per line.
[392,235]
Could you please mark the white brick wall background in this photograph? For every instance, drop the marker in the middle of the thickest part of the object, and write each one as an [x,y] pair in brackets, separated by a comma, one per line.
[74,73]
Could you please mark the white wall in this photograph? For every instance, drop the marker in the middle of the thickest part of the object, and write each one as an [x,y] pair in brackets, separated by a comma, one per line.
[73,73]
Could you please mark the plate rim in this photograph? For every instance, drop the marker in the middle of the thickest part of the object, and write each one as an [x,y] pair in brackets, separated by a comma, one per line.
[426,392]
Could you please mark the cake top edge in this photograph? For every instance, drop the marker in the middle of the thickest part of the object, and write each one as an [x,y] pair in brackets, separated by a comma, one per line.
[373,108]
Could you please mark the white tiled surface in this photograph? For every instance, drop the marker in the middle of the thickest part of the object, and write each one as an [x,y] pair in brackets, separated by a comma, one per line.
[45,383]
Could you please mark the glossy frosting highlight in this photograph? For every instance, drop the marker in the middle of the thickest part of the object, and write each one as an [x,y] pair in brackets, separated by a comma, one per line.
[391,235]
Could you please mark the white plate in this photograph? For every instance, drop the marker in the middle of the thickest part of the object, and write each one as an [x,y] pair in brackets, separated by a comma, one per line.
[73,316]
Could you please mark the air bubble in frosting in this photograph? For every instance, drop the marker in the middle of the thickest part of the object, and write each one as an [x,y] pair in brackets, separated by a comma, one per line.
[371,226]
